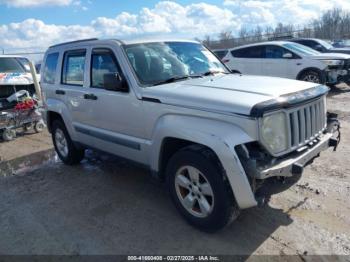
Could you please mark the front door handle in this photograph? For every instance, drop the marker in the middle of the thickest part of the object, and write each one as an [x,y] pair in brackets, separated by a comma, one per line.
[60,92]
[90,97]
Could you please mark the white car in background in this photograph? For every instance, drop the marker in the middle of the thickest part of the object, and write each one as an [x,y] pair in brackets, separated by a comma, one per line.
[15,76]
[288,60]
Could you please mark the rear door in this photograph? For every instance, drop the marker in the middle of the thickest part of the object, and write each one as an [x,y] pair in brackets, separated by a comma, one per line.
[247,60]
[72,89]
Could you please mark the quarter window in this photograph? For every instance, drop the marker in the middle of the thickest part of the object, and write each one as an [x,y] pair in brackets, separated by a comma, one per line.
[73,68]
[102,62]
[49,75]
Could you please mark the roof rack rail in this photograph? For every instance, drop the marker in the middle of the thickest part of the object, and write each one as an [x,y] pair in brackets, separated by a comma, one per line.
[280,37]
[77,41]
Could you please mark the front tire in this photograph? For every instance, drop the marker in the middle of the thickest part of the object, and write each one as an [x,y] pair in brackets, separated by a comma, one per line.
[200,190]
[311,76]
[64,146]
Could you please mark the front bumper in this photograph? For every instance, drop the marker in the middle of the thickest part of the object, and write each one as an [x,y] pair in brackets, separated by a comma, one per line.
[336,76]
[294,163]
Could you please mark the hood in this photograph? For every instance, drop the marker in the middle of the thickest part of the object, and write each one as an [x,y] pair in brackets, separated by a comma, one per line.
[322,56]
[344,50]
[231,93]
[16,79]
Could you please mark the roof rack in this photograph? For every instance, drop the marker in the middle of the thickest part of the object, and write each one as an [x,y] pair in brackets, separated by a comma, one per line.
[77,41]
[281,37]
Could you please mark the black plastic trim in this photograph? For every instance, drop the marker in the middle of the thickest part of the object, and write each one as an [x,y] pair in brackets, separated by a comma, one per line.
[150,99]
[73,42]
[289,100]
[109,138]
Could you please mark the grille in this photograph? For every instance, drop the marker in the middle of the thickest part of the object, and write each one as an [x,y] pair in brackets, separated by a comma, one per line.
[306,123]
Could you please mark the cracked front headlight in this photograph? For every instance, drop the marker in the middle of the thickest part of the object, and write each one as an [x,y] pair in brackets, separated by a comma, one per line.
[332,62]
[274,133]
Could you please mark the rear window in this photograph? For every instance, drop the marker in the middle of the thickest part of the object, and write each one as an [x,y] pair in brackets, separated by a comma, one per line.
[221,53]
[49,73]
[248,52]
[73,68]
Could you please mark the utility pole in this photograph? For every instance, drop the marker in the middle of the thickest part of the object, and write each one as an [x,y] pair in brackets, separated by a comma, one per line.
[3,50]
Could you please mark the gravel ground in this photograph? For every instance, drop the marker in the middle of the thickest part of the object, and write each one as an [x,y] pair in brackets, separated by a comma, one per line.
[109,206]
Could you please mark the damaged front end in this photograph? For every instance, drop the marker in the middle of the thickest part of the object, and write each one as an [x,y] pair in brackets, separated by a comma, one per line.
[259,164]
[336,74]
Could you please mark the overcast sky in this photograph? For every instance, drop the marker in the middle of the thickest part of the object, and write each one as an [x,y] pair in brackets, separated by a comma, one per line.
[27,24]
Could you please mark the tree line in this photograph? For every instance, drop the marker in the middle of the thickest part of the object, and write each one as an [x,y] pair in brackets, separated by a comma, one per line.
[333,24]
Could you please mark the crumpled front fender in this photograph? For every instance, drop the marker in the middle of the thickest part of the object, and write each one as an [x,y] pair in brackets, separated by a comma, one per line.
[219,136]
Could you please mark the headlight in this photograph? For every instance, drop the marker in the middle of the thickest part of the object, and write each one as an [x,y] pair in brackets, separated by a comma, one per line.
[333,62]
[274,132]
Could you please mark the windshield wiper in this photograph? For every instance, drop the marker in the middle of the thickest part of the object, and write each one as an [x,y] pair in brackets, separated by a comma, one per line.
[213,73]
[171,80]
[176,78]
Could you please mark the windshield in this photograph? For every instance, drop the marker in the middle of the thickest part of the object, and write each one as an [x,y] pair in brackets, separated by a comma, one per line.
[300,49]
[11,65]
[325,44]
[155,63]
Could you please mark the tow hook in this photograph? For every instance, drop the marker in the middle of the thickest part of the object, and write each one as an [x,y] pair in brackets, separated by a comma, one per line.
[333,126]
[297,169]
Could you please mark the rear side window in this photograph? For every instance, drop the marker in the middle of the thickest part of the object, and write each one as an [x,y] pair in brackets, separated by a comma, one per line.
[73,68]
[49,75]
[102,62]
[248,52]
[221,54]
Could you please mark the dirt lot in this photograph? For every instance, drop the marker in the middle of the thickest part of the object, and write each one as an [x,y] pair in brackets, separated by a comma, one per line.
[108,206]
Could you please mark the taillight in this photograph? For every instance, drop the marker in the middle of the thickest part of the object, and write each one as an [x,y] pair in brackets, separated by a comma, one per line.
[225,60]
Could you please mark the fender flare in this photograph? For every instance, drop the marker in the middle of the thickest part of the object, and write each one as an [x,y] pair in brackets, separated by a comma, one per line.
[57,106]
[219,136]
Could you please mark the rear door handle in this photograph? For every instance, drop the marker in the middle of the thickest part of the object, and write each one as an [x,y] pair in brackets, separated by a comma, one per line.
[90,97]
[60,92]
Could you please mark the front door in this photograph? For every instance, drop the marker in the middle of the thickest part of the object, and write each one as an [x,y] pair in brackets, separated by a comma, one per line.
[114,118]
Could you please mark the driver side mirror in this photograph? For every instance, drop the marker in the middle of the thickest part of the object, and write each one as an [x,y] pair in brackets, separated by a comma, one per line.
[288,55]
[114,82]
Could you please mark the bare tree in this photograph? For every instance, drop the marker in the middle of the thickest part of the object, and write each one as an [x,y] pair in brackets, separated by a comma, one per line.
[333,24]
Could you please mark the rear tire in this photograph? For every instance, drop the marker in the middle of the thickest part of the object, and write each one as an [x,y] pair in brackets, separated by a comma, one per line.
[200,190]
[311,76]
[64,146]
[9,134]
[39,126]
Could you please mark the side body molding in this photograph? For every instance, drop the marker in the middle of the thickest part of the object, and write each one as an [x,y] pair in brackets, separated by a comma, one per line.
[219,136]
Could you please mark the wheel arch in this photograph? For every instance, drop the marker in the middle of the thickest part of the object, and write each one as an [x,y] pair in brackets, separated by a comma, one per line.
[174,132]
[319,71]
[57,109]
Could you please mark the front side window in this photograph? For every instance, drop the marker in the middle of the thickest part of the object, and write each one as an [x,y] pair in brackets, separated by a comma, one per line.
[274,52]
[102,62]
[73,68]
[161,61]
[49,73]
